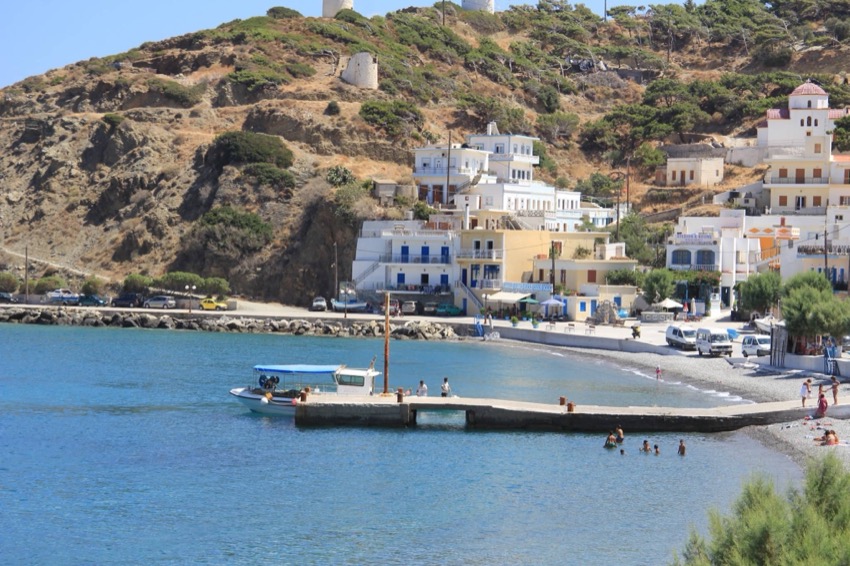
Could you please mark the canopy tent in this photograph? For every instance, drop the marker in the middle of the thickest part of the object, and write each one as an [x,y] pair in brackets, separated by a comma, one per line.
[668,303]
[507,297]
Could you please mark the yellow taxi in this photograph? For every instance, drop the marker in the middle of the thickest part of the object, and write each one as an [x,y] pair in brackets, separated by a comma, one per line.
[210,304]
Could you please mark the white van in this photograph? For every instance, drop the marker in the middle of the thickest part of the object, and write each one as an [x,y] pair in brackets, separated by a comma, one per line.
[713,342]
[682,337]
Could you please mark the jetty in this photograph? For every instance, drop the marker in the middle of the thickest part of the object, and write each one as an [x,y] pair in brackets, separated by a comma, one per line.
[397,410]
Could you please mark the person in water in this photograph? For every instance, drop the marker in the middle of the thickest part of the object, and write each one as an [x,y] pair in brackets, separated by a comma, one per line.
[646,447]
[611,441]
[657,450]
[619,434]
[681,447]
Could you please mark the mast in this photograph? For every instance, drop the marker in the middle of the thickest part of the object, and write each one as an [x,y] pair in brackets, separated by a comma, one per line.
[387,343]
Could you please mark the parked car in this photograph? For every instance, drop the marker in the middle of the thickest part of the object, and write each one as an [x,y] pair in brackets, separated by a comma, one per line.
[755,346]
[409,307]
[63,296]
[160,302]
[125,300]
[713,342]
[91,301]
[682,337]
[430,309]
[394,309]
[319,304]
[7,298]
[448,309]
[210,304]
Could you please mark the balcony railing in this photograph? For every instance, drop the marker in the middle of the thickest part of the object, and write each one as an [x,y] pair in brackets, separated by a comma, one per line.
[833,250]
[695,267]
[525,158]
[481,254]
[797,180]
[408,288]
[489,284]
[443,171]
[414,258]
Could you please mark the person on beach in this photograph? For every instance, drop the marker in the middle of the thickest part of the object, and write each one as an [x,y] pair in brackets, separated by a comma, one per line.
[681,447]
[657,372]
[646,447]
[620,435]
[422,390]
[806,390]
[822,406]
[820,390]
[445,388]
[834,390]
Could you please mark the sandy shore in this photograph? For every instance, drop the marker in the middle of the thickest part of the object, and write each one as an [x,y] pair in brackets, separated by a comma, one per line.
[750,382]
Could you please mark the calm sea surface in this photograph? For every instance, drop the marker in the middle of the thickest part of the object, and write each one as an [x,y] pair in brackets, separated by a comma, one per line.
[124,447]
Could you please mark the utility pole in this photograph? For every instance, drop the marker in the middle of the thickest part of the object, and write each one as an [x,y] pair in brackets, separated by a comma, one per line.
[825,259]
[552,273]
[336,274]
[448,169]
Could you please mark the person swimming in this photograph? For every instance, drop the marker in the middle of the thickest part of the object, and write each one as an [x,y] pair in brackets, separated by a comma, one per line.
[611,441]
[620,434]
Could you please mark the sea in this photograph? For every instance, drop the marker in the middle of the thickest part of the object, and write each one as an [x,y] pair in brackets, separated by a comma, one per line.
[123,446]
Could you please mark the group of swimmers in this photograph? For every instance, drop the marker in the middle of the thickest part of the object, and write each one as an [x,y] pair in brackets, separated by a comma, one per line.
[616,437]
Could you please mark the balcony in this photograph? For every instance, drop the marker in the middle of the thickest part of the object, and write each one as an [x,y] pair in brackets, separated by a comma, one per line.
[481,254]
[695,267]
[443,171]
[797,181]
[412,289]
[519,157]
[415,258]
[818,251]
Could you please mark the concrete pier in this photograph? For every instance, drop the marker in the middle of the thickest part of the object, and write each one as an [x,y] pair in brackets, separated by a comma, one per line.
[496,414]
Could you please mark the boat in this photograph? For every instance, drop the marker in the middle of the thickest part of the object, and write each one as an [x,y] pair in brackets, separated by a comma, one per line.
[763,325]
[351,305]
[278,388]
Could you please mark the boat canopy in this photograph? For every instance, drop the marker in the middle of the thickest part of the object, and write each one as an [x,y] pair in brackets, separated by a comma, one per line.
[298,368]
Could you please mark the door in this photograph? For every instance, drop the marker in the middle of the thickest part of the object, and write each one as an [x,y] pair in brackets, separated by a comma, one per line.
[592,306]
[444,281]
[463,278]
[444,254]
[426,251]
[399,279]
[405,254]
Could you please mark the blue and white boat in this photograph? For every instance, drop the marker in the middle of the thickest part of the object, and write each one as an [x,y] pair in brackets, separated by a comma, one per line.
[350,305]
[278,387]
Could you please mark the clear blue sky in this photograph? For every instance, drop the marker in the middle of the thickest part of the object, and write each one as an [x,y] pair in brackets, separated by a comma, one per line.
[39,35]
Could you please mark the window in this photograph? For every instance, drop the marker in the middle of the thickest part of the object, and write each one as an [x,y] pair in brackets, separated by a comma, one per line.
[783,200]
[692,176]
[847,176]
[816,201]
[783,173]
[591,276]
[816,121]
[357,380]
[839,217]
[426,162]
[809,105]
[809,119]
[816,173]
[500,148]
[674,176]
[817,150]
[681,257]
[844,201]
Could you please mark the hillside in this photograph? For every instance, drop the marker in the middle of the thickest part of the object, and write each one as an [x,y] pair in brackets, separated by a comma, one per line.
[109,166]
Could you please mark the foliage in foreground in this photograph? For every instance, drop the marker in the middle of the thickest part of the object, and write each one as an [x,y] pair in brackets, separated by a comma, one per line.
[808,527]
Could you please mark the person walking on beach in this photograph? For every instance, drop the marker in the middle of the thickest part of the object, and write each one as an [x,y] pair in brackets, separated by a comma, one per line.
[806,390]
[657,372]
[681,447]
[834,390]
[822,406]
[422,390]
[445,388]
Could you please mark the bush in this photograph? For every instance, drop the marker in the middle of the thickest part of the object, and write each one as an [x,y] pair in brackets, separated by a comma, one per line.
[395,117]
[137,283]
[113,120]
[9,283]
[256,79]
[49,283]
[215,286]
[332,109]
[299,70]
[339,176]
[178,280]
[283,13]
[254,232]
[268,174]
[92,286]
[185,96]
[249,147]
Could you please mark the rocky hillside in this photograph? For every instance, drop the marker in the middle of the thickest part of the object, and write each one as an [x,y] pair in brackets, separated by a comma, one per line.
[109,165]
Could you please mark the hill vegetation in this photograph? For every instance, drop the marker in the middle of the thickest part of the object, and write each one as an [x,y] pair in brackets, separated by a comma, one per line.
[134,150]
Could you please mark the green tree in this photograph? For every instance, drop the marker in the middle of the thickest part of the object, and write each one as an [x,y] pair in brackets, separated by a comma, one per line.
[658,285]
[804,527]
[807,279]
[137,283]
[761,292]
[625,277]
[249,147]
[49,283]
[215,286]
[9,283]
[557,126]
[92,286]
[841,134]
[179,280]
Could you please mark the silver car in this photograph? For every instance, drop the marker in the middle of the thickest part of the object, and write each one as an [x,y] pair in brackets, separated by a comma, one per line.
[160,302]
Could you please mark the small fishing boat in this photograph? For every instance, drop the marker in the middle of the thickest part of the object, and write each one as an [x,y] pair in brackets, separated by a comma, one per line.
[351,305]
[764,324]
[278,387]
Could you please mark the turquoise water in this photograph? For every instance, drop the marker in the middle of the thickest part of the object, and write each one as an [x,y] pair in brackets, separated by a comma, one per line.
[123,446]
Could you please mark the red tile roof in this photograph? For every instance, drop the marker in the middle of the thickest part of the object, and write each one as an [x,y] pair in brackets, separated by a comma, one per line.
[808,88]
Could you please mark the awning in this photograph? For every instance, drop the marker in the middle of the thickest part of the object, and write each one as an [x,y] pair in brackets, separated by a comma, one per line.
[506,297]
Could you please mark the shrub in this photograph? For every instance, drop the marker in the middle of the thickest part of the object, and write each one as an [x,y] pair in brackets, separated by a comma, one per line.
[268,174]
[332,109]
[256,79]
[249,147]
[178,280]
[283,13]
[113,120]
[339,175]
[299,70]
[49,283]
[92,286]
[395,117]
[215,286]
[9,283]
[185,96]
[255,231]
[137,283]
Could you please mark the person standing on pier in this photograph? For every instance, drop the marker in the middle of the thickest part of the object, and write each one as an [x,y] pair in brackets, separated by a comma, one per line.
[806,390]
[445,388]
[834,390]
[422,390]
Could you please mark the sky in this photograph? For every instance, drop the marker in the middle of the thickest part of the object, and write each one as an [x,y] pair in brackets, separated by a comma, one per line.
[39,35]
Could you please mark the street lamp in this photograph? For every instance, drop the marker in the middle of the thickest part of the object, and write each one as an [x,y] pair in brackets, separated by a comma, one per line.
[192,288]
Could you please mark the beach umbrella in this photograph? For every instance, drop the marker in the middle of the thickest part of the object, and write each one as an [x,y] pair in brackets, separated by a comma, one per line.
[669,304]
[529,301]
[551,303]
